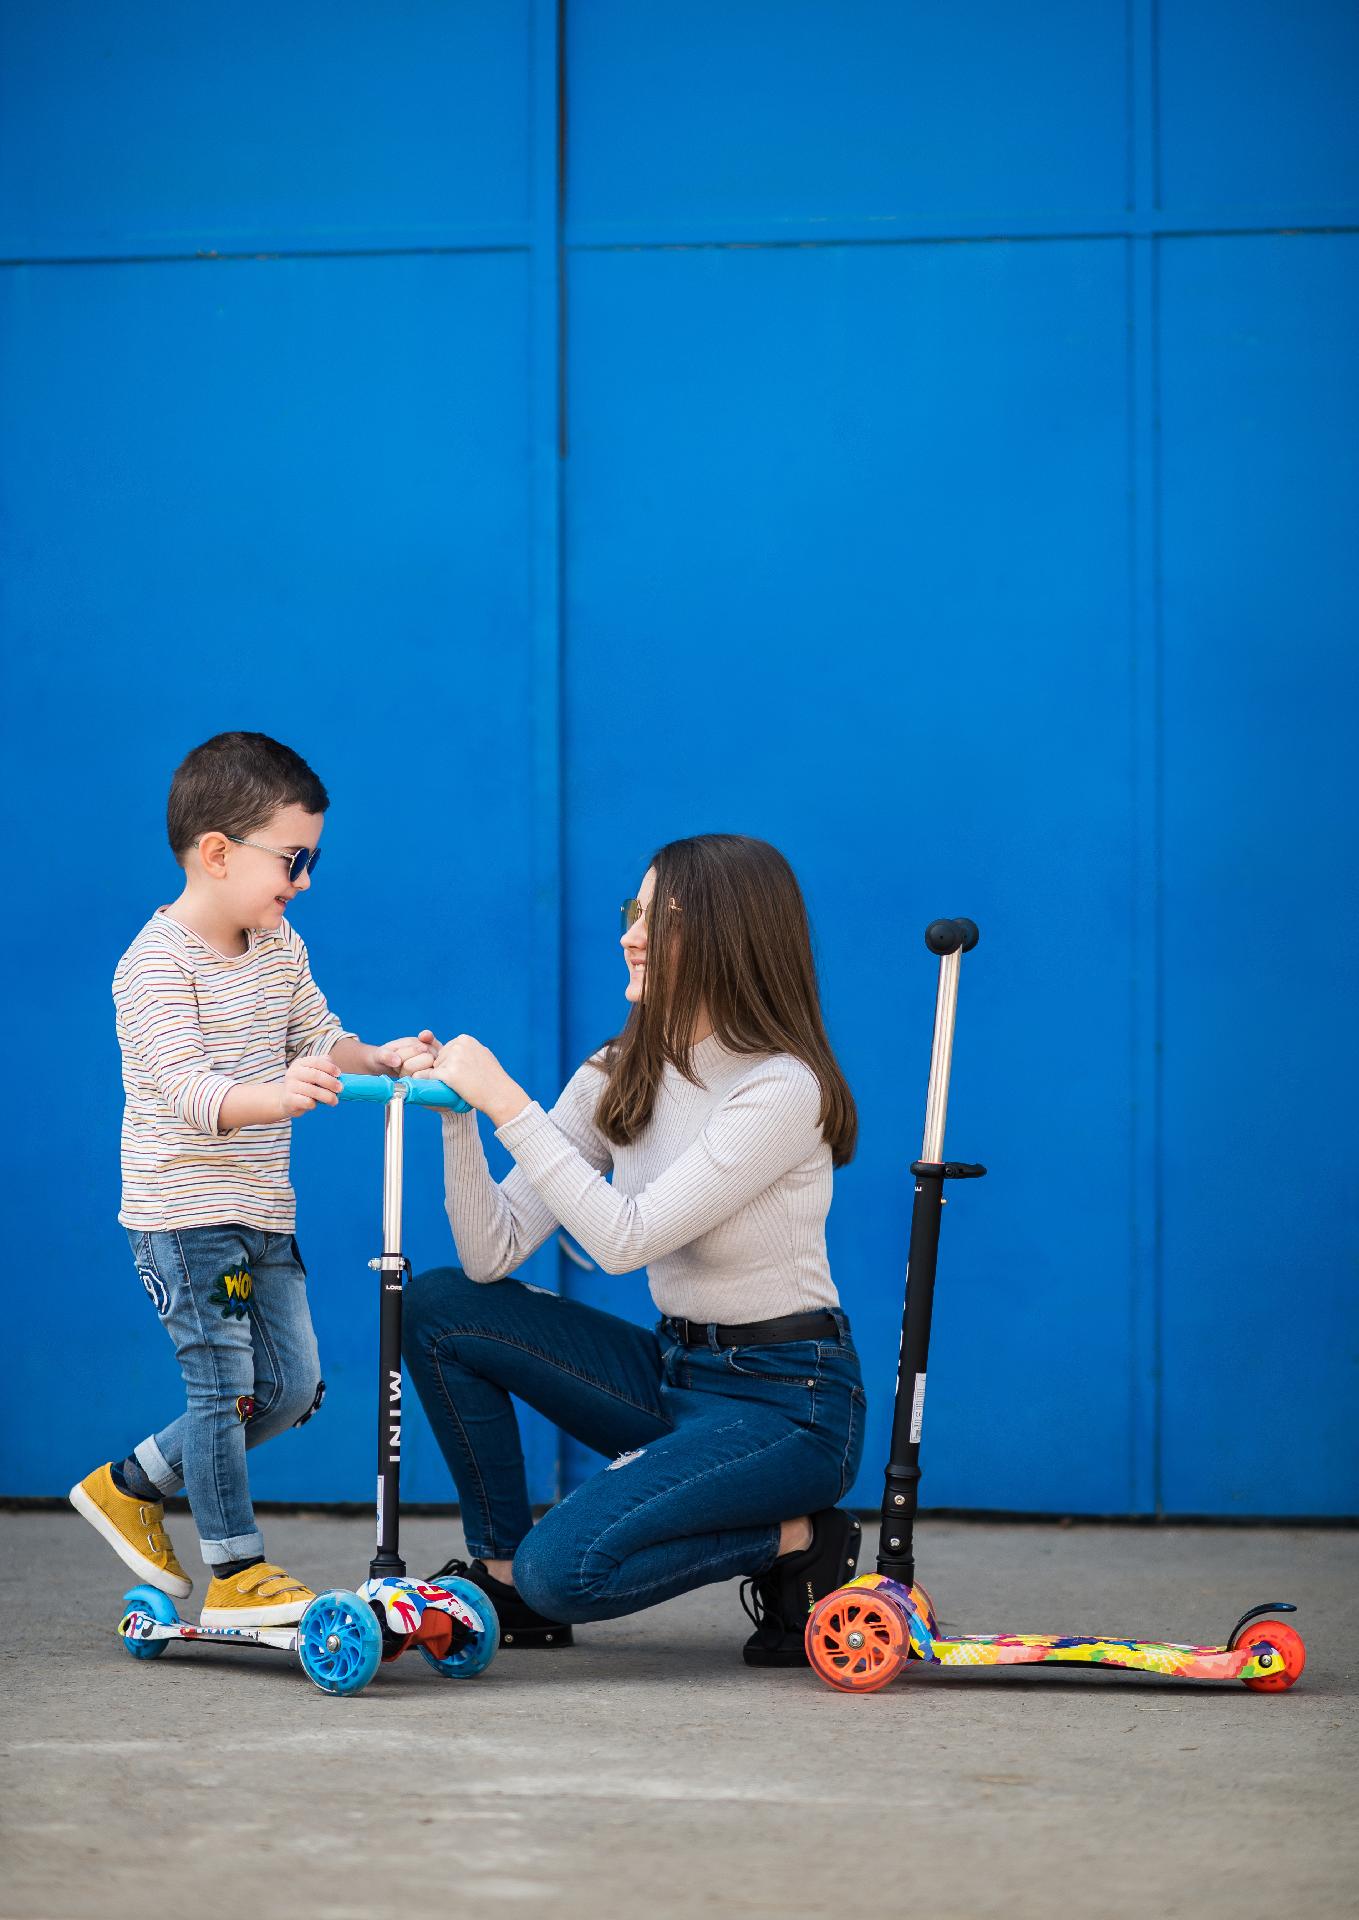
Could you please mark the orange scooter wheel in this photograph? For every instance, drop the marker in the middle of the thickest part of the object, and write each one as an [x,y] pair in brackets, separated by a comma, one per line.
[1287,1644]
[857,1639]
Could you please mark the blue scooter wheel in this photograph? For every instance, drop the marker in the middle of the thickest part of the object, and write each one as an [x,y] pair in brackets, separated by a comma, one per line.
[339,1642]
[160,1607]
[476,1654]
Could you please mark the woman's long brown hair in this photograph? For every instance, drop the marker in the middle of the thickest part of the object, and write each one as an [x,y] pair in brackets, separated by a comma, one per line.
[727,929]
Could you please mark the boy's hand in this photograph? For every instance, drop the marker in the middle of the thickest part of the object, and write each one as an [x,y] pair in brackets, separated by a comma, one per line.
[430,1049]
[309,1082]
[409,1054]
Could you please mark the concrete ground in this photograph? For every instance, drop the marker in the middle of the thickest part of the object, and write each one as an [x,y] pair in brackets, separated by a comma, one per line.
[648,1772]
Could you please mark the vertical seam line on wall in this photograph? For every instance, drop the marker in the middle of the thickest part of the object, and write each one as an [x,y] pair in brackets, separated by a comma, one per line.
[1154,102]
[560,447]
[545,690]
[1130,107]
[563,286]
[1158,828]
[1145,689]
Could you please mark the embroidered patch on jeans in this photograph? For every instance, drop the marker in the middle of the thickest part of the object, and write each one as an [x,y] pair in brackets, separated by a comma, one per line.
[245,1406]
[314,1407]
[156,1288]
[625,1459]
[231,1292]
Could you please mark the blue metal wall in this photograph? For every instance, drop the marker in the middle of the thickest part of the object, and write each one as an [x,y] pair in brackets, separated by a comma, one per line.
[923,437]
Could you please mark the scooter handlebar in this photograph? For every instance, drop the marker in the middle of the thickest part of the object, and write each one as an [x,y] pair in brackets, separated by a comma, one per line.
[419,1093]
[951,936]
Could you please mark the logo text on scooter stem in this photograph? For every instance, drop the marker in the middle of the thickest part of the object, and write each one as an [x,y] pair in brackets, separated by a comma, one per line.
[394,1413]
[918,1409]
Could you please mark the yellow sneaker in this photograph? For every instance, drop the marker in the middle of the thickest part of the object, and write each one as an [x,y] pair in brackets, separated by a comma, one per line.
[134,1528]
[260,1596]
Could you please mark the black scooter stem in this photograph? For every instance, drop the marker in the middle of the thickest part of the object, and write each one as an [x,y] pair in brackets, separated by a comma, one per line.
[391,1266]
[950,939]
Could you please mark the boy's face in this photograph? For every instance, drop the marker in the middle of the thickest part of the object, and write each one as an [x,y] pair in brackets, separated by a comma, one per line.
[255,883]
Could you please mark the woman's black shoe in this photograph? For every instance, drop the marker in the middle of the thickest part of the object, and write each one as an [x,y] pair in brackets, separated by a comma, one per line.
[520,1626]
[779,1600]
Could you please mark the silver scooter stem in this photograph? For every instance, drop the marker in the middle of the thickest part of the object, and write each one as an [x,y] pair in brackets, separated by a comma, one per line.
[941,1056]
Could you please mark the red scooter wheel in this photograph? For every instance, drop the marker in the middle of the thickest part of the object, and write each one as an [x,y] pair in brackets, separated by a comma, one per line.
[1287,1644]
[857,1639]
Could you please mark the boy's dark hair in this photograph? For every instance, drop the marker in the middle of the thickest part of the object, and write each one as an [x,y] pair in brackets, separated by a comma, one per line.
[232,784]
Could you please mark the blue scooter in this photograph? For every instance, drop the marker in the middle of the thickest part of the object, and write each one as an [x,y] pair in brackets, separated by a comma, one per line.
[344,1637]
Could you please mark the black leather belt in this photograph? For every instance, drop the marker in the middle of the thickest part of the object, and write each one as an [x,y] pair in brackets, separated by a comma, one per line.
[760,1333]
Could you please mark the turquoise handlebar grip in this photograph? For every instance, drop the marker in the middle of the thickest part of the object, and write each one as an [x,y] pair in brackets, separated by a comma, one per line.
[433,1093]
[419,1093]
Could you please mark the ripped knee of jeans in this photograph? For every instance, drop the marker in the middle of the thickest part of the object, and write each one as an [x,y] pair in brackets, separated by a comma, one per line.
[314,1406]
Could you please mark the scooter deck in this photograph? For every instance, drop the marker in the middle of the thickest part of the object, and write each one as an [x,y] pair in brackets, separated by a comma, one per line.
[1173,1659]
[404,1604]
[141,1627]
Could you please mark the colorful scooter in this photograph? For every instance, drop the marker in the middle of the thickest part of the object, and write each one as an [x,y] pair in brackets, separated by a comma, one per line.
[343,1637]
[861,1636]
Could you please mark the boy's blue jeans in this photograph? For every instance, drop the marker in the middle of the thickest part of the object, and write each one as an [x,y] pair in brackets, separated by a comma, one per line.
[713,1446]
[234,1301]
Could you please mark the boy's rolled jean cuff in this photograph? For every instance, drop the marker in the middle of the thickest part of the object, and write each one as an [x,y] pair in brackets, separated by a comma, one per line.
[157,1468]
[240,1546]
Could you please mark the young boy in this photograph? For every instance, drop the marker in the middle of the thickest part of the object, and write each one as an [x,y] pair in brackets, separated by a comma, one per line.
[225,1040]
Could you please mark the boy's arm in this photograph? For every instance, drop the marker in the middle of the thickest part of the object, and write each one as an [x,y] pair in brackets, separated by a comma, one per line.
[252,1103]
[312,1027]
[314,1030]
[158,1014]
[351,1055]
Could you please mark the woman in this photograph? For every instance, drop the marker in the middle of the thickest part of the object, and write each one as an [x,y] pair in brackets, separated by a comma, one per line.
[738,1422]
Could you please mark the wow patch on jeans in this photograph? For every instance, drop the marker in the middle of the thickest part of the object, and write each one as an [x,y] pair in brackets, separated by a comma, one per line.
[231,1292]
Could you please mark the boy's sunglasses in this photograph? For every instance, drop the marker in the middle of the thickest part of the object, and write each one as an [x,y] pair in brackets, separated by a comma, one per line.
[302,860]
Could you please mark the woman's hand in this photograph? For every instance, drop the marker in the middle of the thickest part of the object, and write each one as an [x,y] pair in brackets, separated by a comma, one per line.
[475,1075]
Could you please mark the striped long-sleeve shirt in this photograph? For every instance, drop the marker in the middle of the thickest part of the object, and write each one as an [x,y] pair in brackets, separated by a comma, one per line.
[723,1197]
[192,1023]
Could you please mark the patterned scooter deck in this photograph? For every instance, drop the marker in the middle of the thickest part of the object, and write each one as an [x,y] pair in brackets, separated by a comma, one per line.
[857,1643]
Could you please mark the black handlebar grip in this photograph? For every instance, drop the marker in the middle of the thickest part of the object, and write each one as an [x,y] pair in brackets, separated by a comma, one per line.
[947,936]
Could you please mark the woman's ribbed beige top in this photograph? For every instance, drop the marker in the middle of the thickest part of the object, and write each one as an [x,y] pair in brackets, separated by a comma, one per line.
[723,1198]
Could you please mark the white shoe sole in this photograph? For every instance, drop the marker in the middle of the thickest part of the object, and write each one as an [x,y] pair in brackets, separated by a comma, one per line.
[178,1586]
[286,1614]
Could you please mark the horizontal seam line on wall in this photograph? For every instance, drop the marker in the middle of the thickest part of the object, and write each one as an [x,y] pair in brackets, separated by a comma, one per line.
[947,239]
[212,257]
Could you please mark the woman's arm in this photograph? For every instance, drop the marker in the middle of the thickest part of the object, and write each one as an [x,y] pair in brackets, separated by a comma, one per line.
[769,1124]
[497,1226]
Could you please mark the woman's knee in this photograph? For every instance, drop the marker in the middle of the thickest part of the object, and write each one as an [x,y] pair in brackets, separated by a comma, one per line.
[431,1300]
[562,1575]
[548,1583]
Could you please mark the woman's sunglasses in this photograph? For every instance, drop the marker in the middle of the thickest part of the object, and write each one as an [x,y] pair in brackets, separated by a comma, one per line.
[301,860]
[633,911]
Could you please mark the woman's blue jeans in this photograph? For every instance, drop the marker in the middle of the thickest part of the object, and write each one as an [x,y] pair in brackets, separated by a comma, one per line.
[712,1446]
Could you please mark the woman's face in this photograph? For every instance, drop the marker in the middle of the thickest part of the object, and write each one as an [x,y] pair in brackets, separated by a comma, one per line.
[634,940]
